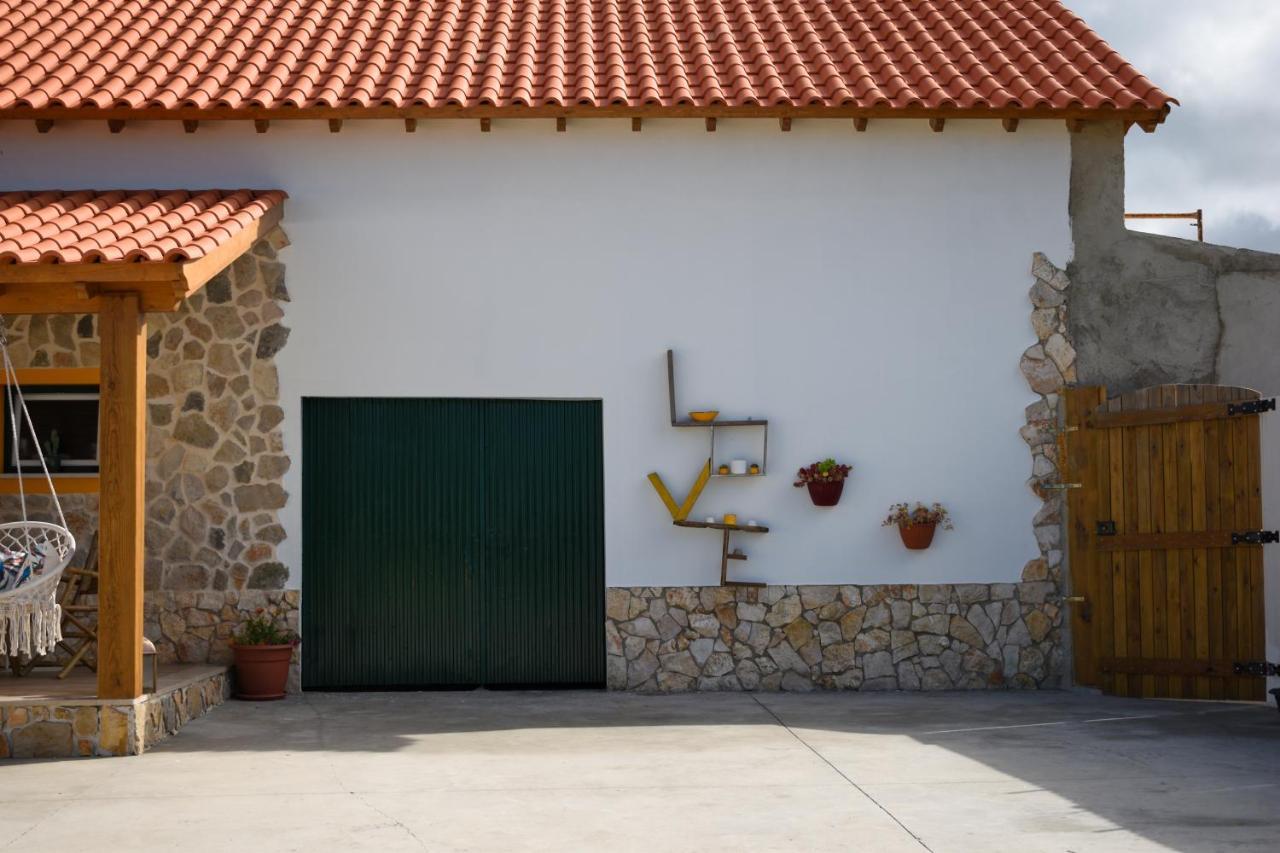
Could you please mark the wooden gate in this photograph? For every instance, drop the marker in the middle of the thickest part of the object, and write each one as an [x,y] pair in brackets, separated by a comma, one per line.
[1164,540]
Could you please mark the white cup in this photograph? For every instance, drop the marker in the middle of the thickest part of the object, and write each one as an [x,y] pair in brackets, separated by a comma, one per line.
[711,519]
[738,466]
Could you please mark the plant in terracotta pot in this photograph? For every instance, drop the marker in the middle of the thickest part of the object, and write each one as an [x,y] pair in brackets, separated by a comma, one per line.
[825,481]
[263,650]
[917,525]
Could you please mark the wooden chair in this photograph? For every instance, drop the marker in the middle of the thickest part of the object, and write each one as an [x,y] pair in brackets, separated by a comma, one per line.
[79,616]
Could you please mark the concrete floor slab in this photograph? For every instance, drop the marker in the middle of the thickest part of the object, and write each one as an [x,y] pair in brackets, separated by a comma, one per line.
[589,771]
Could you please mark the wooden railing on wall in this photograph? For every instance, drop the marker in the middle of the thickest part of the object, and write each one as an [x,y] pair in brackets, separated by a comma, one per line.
[1197,215]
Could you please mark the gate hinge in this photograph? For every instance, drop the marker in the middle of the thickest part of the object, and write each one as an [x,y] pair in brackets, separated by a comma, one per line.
[1256,668]
[1255,537]
[1106,528]
[1252,407]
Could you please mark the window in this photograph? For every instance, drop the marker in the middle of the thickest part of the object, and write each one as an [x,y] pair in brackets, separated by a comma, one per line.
[62,400]
[65,418]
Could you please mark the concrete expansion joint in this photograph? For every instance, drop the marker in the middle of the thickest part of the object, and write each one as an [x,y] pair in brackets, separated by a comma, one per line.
[841,774]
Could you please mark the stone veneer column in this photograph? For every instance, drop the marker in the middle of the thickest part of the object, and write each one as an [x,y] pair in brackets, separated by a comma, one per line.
[215,453]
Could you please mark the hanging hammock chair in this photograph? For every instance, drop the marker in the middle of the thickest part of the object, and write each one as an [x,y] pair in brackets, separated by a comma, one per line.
[32,553]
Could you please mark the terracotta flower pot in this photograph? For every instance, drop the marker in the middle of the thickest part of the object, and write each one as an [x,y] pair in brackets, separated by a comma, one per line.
[262,671]
[917,537]
[825,493]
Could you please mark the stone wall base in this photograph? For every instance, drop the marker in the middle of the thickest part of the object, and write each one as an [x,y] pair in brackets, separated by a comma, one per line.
[797,638]
[194,627]
[70,728]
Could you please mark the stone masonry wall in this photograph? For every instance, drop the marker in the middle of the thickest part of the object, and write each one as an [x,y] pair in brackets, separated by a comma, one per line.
[215,453]
[876,637]
[795,638]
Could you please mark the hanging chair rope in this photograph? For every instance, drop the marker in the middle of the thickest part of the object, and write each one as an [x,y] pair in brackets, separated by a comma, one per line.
[13,389]
[30,618]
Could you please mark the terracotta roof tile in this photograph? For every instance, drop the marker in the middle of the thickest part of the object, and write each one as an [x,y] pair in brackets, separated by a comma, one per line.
[124,225]
[286,54]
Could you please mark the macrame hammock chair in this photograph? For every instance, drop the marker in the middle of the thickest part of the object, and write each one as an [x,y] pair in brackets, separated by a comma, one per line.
[32,553]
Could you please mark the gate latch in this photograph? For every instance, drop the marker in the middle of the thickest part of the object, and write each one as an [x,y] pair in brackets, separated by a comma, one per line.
[1106,528]
[1255,537]
[1252,407]
[1255,668]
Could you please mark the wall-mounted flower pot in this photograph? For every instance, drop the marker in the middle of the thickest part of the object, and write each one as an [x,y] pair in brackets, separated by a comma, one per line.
[262,671]
[917,537]
[825,493]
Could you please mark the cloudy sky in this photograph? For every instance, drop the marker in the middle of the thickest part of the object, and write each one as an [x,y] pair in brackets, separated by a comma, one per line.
[1220,150]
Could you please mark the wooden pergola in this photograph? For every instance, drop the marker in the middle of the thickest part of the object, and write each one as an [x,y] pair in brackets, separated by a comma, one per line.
[115,279]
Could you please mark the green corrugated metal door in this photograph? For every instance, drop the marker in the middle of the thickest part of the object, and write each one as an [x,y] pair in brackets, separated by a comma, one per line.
[452,543]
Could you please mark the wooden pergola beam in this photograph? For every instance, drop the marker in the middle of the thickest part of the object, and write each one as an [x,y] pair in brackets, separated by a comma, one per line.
[122,462]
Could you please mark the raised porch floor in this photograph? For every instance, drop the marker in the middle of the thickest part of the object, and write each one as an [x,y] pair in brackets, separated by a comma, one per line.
[43,716]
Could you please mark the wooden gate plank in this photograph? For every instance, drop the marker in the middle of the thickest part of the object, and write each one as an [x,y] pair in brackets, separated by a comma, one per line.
[1256,605]
[1214,462]
[1080,464]
[1227,558]
[1132,563]
[1173,541]
[1215,411]
[1104,609]
[1200,558]
[1239,623]
[1159,561]
[1186,572]
[1119,580]
[1146,581]
[1219,670]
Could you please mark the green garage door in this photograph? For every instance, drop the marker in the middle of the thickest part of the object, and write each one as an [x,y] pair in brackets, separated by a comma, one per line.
[452,543]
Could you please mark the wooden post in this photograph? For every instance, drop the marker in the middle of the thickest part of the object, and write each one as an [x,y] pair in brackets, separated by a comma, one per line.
[121,450]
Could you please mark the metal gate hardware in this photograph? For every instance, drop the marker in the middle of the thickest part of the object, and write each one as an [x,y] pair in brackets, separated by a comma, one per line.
[1062,486]
[1106,528]
[1255,537]
[1256,668]
[1252,407]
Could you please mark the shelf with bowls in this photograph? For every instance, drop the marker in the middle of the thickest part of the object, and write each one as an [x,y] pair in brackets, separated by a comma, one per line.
[709,419]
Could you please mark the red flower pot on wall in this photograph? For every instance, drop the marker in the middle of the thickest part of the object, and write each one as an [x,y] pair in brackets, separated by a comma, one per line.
[917,537]
[262,671]
[825,493]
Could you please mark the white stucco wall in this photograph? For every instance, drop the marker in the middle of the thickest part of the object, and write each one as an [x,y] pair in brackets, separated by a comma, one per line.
[866,292]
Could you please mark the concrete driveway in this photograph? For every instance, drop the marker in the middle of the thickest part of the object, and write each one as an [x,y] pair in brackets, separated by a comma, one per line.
[596,771]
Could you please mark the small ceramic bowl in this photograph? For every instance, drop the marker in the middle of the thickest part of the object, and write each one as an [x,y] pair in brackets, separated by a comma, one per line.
[705,417]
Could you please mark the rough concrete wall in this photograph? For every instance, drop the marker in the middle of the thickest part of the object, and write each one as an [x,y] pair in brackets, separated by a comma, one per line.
[1145,309]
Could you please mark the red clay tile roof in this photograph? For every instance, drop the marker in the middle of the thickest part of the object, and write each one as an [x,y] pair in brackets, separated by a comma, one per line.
[258,56]
[124,225]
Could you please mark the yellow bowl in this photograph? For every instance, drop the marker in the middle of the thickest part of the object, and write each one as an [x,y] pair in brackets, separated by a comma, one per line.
[705,417]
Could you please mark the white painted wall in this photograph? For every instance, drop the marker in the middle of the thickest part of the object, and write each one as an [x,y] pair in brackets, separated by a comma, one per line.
[866,292]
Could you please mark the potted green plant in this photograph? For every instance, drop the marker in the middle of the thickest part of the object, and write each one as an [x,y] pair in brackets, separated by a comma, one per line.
[825,481]
[263,650]
[917,525]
